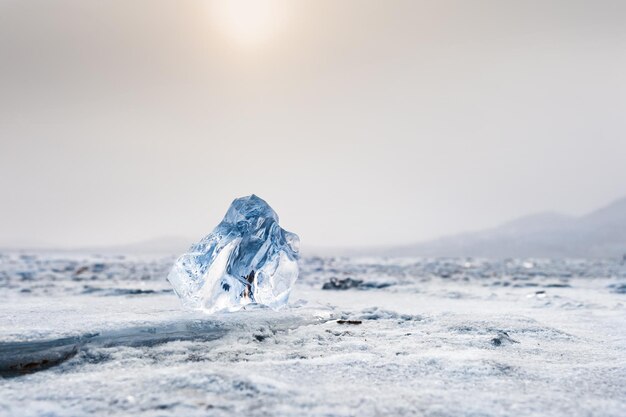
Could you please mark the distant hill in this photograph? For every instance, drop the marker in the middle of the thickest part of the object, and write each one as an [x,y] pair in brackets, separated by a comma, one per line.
[601,233]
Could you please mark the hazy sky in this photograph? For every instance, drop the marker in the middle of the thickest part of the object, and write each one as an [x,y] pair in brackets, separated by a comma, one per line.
[360,122]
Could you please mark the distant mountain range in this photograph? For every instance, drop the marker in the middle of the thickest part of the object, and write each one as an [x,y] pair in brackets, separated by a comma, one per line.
[599,234]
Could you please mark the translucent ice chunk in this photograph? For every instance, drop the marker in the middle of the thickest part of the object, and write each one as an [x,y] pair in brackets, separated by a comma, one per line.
[248,258]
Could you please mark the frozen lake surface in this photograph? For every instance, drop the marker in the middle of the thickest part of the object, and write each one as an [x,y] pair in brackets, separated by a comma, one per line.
[101,335]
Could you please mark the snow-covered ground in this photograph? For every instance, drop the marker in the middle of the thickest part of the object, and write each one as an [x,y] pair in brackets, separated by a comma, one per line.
[95,335]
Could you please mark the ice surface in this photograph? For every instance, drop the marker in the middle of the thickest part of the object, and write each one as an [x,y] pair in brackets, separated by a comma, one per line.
[248,258]
[104,335]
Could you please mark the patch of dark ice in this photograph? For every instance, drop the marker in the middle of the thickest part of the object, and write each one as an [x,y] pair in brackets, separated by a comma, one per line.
[17,358]
[89,289]
[503,338]
[619,288]
[23,357]
[348,283]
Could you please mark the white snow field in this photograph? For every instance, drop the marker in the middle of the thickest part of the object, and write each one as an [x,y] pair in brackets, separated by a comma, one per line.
[102,335]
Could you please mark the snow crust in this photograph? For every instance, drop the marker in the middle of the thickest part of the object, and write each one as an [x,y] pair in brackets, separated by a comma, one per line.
[444,337]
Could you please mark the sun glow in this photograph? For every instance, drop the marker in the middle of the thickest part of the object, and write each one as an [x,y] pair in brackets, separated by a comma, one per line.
[249,22]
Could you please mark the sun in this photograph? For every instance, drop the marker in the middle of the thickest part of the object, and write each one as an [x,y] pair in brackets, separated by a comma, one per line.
[249,22]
